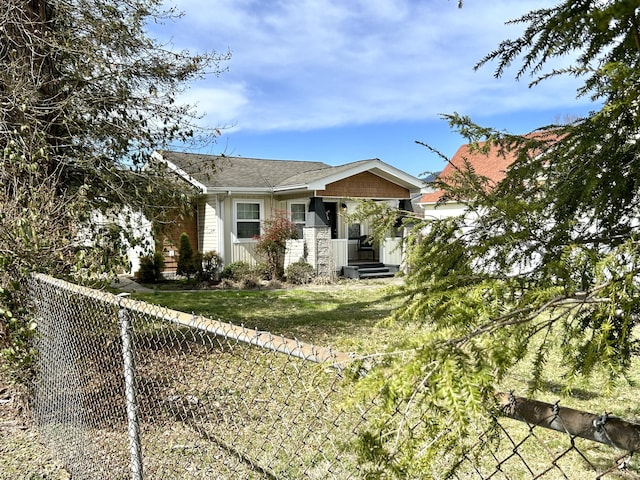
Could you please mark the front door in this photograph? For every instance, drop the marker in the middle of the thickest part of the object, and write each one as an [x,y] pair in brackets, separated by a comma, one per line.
[331,209]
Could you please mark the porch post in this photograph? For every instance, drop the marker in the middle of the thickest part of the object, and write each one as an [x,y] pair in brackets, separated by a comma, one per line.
[318,241]
[317,237]
[404,205]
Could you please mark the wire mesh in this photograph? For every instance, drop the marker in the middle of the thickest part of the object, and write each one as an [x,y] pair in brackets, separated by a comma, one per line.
[209,399]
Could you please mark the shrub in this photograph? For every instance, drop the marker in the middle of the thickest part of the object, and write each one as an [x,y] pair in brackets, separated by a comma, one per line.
[236,271]
[211,263]
[300,273]
[227,283]
[272,243]
[274,284]
[249,282]
[187,262]
[261,271]
[150,268]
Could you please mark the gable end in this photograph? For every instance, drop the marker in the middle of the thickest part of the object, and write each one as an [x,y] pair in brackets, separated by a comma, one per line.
[364,185]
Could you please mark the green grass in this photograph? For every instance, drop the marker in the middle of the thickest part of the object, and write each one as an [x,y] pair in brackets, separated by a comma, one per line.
[349,319]
[344,318]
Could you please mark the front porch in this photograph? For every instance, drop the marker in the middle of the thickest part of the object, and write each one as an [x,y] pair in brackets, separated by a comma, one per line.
[383,261]
[344,251]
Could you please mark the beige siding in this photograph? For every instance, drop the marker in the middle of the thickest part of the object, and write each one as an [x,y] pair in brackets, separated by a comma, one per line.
[243,252]
[208,224]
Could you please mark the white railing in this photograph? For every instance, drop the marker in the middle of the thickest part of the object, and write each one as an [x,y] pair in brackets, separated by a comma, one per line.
[343,250]
[340,252]
[391,253]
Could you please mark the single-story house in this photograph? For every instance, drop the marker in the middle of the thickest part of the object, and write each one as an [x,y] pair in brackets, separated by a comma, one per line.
[236,196]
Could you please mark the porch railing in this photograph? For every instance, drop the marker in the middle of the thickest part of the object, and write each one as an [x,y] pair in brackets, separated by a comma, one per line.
[343,250]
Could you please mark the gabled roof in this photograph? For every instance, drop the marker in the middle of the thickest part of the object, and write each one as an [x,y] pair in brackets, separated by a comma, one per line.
[492,165]
[213,173]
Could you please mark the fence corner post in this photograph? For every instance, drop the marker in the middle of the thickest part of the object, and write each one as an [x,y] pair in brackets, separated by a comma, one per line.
[133,427]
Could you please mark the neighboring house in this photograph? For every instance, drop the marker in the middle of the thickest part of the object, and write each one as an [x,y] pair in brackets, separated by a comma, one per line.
[238,194]
[136,243]
[492,165]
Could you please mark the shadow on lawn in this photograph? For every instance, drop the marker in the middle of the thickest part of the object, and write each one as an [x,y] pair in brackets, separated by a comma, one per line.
[308,315]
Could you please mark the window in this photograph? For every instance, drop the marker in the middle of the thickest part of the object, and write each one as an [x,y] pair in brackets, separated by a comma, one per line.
[354,231]
[299,216]
[247,219]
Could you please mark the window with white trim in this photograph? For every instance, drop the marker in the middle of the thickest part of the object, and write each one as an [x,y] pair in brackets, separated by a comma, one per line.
[298,216]
[247,219]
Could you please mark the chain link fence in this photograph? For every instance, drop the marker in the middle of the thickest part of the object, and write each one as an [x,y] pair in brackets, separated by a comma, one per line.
[127,389]
[540,440]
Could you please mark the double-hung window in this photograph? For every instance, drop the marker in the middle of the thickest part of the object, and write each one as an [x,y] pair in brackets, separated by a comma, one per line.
[298,216]
[248,219]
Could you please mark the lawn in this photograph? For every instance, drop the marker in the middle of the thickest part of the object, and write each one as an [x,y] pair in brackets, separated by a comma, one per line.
[344,317]
[350,318]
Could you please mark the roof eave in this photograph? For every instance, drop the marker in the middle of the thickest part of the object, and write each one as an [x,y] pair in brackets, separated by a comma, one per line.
[244,190]
[180,172]
[292,188]
[377,167]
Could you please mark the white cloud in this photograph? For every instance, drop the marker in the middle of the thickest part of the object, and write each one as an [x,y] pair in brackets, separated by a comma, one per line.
[315,63]
[222,105]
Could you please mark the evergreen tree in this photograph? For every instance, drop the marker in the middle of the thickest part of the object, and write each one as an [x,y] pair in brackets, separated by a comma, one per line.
[549,260]
[186,260]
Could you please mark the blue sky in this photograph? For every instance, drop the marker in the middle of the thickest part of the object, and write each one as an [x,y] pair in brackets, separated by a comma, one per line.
[345,80]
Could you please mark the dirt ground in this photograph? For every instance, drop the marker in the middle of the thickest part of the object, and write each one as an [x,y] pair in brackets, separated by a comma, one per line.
[23,454]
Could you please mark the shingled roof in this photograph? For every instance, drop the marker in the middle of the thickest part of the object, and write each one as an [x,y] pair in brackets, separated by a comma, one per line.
[218,173]
[238,172]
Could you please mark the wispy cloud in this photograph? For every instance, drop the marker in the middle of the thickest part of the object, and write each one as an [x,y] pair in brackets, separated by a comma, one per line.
[305,64]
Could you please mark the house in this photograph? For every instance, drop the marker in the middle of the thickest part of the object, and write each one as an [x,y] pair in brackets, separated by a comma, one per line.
[236,195]
[492,164]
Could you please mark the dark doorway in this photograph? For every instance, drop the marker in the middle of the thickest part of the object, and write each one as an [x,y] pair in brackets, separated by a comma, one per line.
[332,217]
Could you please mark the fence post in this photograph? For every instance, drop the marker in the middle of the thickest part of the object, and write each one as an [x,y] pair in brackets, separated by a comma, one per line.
[130,394]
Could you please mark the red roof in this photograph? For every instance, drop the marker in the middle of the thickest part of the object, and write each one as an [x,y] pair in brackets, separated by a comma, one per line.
[492,165]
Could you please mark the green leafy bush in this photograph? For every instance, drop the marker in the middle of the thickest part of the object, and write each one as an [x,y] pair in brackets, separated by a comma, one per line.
[300,273]
[236,271]
[210,266]
[245,275]
[151,267]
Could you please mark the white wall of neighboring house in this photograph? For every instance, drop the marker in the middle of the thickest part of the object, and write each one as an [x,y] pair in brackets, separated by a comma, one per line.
[140,227]
[143,234]
[444,210]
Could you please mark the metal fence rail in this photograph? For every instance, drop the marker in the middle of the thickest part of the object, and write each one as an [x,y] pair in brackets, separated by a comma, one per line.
[127,389]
